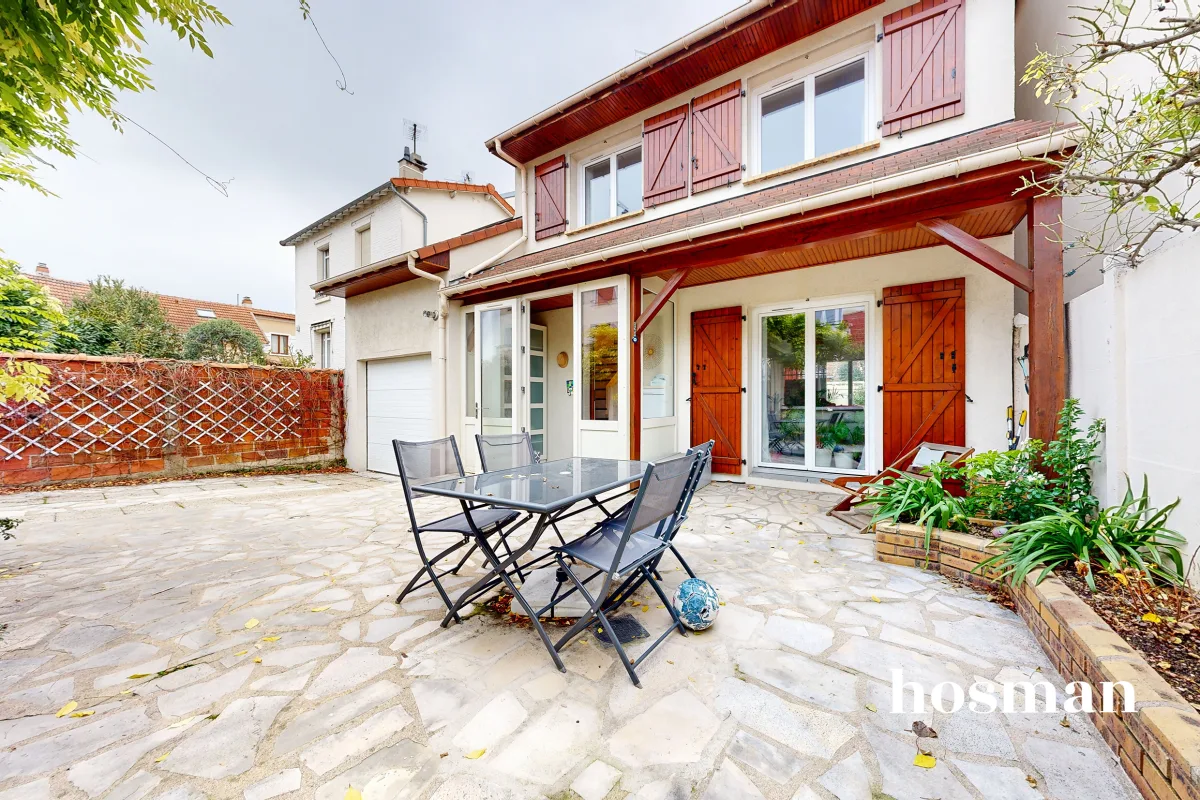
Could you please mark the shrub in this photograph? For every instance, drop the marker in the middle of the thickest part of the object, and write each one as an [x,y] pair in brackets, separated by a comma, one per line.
[115,319]
[1129,534]
[1006,485]
[1068,459]
[919,501]
[223,340]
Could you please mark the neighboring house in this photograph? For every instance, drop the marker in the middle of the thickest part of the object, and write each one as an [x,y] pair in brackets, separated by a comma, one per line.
[401,214]
[1134,359]
[274,328]
[790,231]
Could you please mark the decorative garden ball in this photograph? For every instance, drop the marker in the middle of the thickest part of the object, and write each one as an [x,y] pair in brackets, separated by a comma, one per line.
[697,604]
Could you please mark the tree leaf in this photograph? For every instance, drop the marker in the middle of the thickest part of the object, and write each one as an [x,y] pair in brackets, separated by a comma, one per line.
[924,761]
[251,623]
[67,709]
[352,794]
[475,753]
[87,713]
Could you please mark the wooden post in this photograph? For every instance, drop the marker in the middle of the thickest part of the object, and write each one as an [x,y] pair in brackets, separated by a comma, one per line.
[635,370]
[1047,329]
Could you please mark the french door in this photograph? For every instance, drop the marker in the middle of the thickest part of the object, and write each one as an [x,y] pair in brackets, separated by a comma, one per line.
[496,368]
[814,410]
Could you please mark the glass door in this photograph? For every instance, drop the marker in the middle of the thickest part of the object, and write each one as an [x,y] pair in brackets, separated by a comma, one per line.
[536,370]
[812,409]
[495,327]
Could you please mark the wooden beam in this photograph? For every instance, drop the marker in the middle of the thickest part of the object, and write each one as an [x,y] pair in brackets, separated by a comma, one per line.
[1047,328]
[664,294]
[983,254]
[635,372]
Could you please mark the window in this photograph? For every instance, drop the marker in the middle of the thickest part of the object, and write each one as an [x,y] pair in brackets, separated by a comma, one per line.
[207,313]
[612,186]
[471,409]
[279,344]
[325,348]
[600,354]
[363,247]
[814,115]
[658,362]
[323,263]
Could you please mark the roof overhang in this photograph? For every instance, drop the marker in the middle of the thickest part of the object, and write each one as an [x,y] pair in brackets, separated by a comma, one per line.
[380,275]
[747,33]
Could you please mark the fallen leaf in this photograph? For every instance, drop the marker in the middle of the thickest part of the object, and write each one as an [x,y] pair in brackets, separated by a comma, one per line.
[1151,617]
[258,661]
[871,707]
[875,599]
[137,676]
[1032,781]
[67,709]
[241,652]
[183,722]
[270,638]
[1164,665]
[162,758]
[800,541]
[1122,579]
[1066,723]
[924,761]
[352,794]
[475,753]
[251,623]
[318,609]
[87,713]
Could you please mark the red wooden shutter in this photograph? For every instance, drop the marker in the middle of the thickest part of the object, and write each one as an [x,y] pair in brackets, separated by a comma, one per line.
[550,198]
[717,138]
[664,157]
[923,60]
[924,366]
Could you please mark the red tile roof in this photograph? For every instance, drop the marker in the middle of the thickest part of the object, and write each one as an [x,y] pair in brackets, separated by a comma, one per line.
[977,141]
[452,186]
[179,311]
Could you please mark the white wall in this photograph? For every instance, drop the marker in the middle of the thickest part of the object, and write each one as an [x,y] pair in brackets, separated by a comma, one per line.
[989,99]
[989,330]
[1135,361]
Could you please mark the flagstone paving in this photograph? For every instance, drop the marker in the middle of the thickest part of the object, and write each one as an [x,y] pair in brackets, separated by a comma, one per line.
[235,638]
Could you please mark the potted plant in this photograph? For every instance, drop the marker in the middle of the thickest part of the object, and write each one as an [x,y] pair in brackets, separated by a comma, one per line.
[850,439]
[823,456]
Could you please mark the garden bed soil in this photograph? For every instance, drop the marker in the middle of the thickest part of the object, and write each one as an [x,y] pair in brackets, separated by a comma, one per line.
[1171,646]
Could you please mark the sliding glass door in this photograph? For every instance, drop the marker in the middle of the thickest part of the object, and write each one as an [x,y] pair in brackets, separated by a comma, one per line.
[812,410]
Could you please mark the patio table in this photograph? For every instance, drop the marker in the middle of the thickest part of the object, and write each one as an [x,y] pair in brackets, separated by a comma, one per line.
[550,492]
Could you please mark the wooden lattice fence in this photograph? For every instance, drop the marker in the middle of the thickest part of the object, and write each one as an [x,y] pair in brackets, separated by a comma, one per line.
[112,417]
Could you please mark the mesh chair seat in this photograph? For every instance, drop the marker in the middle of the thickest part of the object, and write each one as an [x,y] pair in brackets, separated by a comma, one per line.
[484,519]
[599,548]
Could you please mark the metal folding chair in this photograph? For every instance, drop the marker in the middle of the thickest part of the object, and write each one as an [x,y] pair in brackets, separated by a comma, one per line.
[426,462]
[630,551]
[505,451]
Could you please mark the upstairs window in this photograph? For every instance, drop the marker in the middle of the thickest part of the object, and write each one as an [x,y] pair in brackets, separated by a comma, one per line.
[323,263]
[207,313]
[363,236]
[612,185]
[813,115]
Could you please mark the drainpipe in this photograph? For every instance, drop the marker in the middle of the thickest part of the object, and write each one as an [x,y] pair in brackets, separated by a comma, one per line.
[524,237]
[443,312]
[420,213]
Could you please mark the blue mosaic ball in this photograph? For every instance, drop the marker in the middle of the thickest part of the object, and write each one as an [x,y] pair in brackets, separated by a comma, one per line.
[697,604]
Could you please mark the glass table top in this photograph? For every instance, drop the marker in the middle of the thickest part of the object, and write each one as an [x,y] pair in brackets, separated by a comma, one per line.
[541,488]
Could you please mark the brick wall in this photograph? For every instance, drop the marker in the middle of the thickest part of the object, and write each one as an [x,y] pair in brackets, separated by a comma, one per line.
[955,555]
[110,418]
[1159,743]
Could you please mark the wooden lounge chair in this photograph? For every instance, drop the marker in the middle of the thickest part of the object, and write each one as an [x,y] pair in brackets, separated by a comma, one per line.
[914,462]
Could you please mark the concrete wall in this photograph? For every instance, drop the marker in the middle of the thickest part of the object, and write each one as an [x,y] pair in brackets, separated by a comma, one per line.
[988,96]
[1135,362]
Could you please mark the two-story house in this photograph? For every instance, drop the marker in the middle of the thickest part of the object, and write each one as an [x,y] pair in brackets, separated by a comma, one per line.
[790,231]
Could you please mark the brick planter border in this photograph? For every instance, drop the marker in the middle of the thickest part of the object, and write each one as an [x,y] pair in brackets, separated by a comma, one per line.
[1158,745]
[955,555]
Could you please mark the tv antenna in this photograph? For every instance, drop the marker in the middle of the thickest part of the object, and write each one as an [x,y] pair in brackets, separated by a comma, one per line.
[415,131]
[467,176]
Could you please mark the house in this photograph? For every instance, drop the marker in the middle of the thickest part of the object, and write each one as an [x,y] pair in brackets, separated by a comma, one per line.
[274,328]
[800,231]
[402,213]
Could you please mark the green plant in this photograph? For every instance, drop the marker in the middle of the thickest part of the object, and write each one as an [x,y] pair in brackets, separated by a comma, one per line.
[1130,533]
[223,340]
[834,434]
[1006,485]
[1068,460]
[7,526]
[919,501]
[29,318]
[115,319]
[298,359]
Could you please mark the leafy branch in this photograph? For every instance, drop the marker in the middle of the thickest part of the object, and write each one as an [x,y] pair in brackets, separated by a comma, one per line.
[1130,81]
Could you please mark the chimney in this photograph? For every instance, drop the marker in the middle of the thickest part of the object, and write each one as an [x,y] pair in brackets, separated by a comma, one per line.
[411,165]
[41,269]
[246,301]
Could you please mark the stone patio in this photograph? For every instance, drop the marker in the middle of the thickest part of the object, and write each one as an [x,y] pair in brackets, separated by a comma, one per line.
[305,678]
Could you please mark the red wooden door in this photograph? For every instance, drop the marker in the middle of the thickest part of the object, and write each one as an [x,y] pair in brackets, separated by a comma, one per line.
[717,385]
[924,366]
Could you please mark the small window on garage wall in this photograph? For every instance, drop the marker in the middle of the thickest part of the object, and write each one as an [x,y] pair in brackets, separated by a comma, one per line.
[923,58]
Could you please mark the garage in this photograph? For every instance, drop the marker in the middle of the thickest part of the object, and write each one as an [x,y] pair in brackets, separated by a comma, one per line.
[399,406]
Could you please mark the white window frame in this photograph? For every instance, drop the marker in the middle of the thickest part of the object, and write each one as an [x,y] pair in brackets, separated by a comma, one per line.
[873,406]
[808,77]
[324,271]
[286,344]
[359,230]
[611,158]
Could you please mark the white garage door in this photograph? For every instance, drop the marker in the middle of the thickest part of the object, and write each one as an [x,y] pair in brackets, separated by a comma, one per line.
[399,406]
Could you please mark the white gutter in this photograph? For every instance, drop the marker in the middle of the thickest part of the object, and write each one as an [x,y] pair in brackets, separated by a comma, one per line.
[439,373]
[720,23]
[524,237]
[1031,148]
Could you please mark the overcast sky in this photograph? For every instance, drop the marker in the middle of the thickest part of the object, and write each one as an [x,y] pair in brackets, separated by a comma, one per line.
[266,112]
